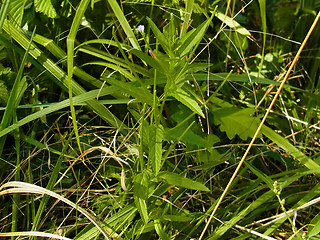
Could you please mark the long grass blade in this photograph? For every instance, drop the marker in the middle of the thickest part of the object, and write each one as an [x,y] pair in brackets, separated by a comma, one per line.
[124,23]
[22,187]
[70,54]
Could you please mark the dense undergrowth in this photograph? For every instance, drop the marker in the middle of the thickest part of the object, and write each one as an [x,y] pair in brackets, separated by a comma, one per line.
[127,119]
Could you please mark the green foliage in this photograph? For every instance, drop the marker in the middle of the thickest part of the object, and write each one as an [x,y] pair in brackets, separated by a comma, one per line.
[235,121]
[171,92]
[178,180]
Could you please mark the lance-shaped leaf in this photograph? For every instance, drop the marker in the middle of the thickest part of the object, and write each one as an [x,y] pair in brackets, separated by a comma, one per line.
[159,36]
[188,101]
[155,146]
[181,181]
[140,192]
[140,93]
[195,38]
[232,23]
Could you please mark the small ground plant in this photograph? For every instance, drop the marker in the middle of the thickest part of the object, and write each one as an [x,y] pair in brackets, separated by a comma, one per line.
[159,119]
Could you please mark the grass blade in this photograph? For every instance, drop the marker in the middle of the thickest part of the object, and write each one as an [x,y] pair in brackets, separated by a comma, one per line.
[290,149]
[70,54]
[124,23]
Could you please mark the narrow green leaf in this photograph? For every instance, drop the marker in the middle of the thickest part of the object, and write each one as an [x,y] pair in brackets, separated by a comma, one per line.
[114,59]
[124,23]
[50,45]
[19,86]
[83,98]
[262,4]
[181,181]
[195,38]
[60,75]
[188,101]
[176,218]
[160,231]
[186,17]
[70,55]
[159,36]
[139,93]
[140,191]
[261,175]
[290,149]
[156,133]
[264,198]
[232,23]
[149,60]
[314,226]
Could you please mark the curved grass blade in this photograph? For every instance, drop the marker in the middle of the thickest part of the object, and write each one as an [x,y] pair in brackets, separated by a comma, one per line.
[22,187]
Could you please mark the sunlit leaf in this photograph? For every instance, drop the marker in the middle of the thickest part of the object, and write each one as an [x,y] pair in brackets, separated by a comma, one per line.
[45,7]
[181,181]
[155,146]
[188,101]
[232,23]
[140,191]
[236,121]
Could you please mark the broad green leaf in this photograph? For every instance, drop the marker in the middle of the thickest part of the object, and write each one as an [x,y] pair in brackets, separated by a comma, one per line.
[232,23]
[181,181]
[290,149]
[194,39]
[188,101]
[45,7]
[16,9]
[155,146]
[314,226]
[236,121]
[140,191]
[139,93]
[4,94]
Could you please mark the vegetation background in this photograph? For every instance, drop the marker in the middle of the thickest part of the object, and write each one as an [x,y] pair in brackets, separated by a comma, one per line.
[127,119]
